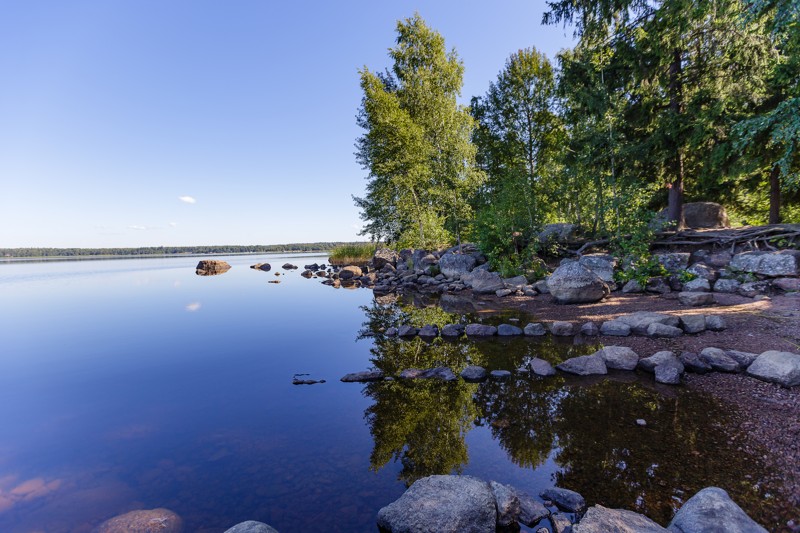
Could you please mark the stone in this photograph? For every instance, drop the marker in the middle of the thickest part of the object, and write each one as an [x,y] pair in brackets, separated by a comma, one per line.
[349,272]
[507,330]
[507,502]
[561,523]
[531,511]
[695,299]
[266,267]
[641,320]
[540,367]
[715,323]
[534,330]
[590,329]
[445,504]
[674,262]
[483,282]
[502,293]
[601,264]
[144,521]
[440,372]
[703,271]
[615,328]
[663,331]
[727,285]
[649,364]
[429,331]
[480,330]
[411,373]
[307,274]
[363,376]
[619,357]
[500,374]
[474,374]
[383,257]
[454,265]
[641,422]
[668,373]
[210,267]
[693,363]
[599,519]
[565,499]
[541,286]
[632,286]
[561,329]
[516,283]
[697,285]
[787,284]
[560,233]
[407,331]
[711,510]
[771,264]
[572,283]
[705,215]
[693,323]
[251,526]
[752,289]
[391,332]
[658,285]
[718,259]
[585,365]
[289,266]
[777,367]
[452,330]
[717,360]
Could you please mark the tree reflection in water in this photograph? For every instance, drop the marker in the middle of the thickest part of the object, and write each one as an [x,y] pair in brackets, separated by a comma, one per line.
[587,425]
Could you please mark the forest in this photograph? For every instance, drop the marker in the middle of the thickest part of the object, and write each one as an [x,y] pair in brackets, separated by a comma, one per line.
[658,104]
[169,250]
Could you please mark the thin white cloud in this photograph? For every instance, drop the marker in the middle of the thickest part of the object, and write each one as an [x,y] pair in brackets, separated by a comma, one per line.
[192,307]
[140,228]
[187,199]
[173,224]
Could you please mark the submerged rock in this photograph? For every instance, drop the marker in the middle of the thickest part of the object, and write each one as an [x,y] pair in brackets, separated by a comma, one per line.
[251,526]
[565,499]
[363,377]
[144,521]
[599,519]
[711,510]
[501,375]
[445,504]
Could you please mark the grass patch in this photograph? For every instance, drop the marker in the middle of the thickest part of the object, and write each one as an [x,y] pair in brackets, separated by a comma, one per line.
[352,254]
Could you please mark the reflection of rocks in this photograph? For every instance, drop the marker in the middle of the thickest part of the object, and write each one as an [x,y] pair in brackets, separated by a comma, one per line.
[599,519]
[363,377]
[209,267]
[710,510]
[145,521]
[251,526]
[266,267]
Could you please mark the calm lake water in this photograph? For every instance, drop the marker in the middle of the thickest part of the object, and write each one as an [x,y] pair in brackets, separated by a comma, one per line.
[131,384]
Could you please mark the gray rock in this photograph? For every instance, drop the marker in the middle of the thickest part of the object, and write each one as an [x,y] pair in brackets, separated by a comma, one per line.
[787,284]
[641,320]
[407,331]
[411,373]
[540,367]
[508,504]
[452,330]
[745,359]
[534,330]
[474,374]
[561,523]
[363,377]
[565,499]
[718,259]
[585,365]
[516,283]
[507,330]
[772,264]
[693,363]
[777,367]
[697,285]
[618,357]
[705,215]
[668,373]
[445,504]
[641,422]
[693,323]
[695,299]
[753,288]
[391,332]
[440,372]
[383,257]
[703,271]
[560,233]
[615,328]
[429,331]
[632,286]
[483,282]
[717,359]
[649,364]
[541,286]
[572,283]
[673,262]
[455,265]
[503,293]
[726,285]
[251,526]
[715,323]
[480,330]
[500,374]
[590,329]
[712,511]
[658,285]
[561,329]
[601,264]
[599,519]
[663,331]
[531,511]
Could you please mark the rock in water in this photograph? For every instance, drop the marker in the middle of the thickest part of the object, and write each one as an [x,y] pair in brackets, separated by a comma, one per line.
[531,511]
[535,330]
[209,267]
[668,373]
[599,519]
[251,526]
[507,330]
[474,374]
[619,357]
[145,521]
[560,328]
[444,504]
[540,367]
[480,330]
[711,510]
[572,283]
[585,365]
[590,329]
[565,499]
[452,330]
[777,367]
[363,377]
[508,505]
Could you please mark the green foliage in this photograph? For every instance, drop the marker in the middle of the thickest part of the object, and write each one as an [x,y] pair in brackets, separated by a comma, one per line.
[170,250]
[685,276]
[637,261]
[354,253]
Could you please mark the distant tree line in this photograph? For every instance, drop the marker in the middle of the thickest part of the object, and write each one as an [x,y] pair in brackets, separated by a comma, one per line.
[170,250]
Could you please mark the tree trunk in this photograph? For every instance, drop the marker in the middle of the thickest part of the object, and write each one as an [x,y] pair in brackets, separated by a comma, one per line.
[675,199]
[775,195]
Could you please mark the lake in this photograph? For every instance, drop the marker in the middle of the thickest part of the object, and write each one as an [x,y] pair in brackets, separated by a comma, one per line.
[134,383]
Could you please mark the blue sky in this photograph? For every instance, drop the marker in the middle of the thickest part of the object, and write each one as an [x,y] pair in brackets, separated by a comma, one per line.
[166,122]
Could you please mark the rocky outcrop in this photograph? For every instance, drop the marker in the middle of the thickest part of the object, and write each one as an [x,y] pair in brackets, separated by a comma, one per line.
[251,526]
[770,264]
[383,257]
[445,504]
[144,521]
[572,283]
[712,510]
[210,267]
[777,367]
[599,519]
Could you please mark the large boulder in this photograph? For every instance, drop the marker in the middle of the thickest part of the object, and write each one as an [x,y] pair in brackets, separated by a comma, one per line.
[705,215]
[251,526]
[349,272]
[572,283]
[599,519]
[383,257]
[712,511]
[454,265]
[565,499]
[507,502]
[772,264]
[483,282]
[585,365]
[560,233]
[619,357]
[210,267]
[457,504]
[777,367]
[601,264]
[144,521]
